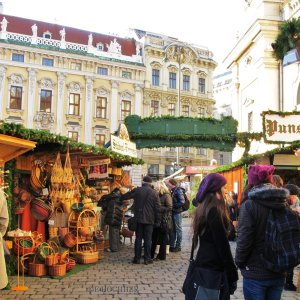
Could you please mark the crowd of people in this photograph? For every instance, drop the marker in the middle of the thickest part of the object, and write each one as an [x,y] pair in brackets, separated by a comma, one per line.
[217,220]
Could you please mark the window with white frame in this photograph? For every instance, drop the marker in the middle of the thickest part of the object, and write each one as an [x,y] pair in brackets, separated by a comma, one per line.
[172,80]
[185,150]
[74,104]
[73,136]
[171,109]
[186,82]
[49,62]
[100,46]
[45,101]
[17,57]
[100,140]
[153,169]
[126,74]
[101,107]
[172,149]
[201,111]
[155,77]
[169,169]
[185,110]
[201,151]
[47,35]
[76,66]
[201,85]
[15,97]
[154,108]
[102,71]
[125,109]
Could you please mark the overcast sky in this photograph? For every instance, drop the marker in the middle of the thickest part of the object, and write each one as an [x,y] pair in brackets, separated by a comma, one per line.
[213,24]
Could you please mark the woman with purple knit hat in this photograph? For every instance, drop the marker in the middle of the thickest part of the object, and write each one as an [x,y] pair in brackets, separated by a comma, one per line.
[210,226]
[262,195]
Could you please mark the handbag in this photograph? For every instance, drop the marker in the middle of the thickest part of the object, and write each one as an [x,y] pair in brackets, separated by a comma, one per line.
[132,223]
[166,222]
[201,283]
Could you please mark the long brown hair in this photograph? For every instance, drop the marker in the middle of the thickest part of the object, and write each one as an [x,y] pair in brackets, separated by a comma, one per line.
[200,218]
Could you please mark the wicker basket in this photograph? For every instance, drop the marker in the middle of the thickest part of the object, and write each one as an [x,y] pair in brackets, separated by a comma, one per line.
[23,245]
[70,239]
[53,231]
[88,255]
[36,268]
[58,269]
[52,259]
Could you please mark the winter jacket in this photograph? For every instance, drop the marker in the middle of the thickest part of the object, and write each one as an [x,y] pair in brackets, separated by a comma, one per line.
[177,199]
[112,207]
[251,229]
[146,205]
[166,204]
[214,250]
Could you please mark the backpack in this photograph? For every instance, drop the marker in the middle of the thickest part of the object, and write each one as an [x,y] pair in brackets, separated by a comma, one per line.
[186,204]
[282,240]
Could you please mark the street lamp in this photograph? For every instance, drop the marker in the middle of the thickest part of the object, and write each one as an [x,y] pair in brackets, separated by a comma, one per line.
[181,53]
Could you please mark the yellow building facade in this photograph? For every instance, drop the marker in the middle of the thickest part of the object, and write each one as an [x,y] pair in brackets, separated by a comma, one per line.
[83,84]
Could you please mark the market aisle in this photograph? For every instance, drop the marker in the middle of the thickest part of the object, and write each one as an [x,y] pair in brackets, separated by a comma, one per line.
[115,278]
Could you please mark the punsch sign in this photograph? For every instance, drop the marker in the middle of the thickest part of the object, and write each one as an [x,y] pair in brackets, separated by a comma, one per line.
[281,128]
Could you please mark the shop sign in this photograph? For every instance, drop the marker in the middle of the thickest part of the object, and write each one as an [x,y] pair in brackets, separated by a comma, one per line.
[281,128]
[123,146]
[98,169]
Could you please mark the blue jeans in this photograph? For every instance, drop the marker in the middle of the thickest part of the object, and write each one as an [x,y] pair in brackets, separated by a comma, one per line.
[270,289]
[176,234]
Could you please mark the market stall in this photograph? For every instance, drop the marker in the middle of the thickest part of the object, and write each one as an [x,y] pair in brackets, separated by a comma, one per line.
[54,194]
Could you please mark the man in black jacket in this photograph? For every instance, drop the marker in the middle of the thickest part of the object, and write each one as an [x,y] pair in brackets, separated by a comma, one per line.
[146,209]
[259,283]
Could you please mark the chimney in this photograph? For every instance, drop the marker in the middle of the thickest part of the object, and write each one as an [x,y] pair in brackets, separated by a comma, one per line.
[1,8]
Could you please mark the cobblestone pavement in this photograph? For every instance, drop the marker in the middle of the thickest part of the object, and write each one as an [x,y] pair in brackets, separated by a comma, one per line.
[115,278]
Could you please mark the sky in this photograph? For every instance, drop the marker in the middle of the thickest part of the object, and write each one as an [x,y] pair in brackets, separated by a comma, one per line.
[212,24]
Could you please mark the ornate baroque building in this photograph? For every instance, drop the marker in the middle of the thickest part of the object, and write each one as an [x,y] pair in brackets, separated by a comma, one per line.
[82,84]
[69,81]
[178,81]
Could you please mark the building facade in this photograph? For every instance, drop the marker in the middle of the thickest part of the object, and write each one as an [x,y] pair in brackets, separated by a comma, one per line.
[255,70]
[68,81]
[82,84]
[178,82]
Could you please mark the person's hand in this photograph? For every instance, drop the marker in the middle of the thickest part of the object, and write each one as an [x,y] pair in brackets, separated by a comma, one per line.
[232,287]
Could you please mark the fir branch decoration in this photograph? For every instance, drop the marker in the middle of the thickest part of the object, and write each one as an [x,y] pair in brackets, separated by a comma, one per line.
[288,35]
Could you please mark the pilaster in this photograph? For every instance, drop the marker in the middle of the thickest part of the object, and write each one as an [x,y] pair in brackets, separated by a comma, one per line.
[2,79]
[88,110]
[31,96]
[114,110]
[60,101]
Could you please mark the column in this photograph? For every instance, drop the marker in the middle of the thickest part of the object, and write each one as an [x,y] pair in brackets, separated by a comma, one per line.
[88,110]
[60,104]
[114,109]
[138,100]
[31,97]
[2,80]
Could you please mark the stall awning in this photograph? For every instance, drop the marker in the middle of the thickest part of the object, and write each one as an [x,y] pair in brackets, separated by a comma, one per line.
[286,161]
[12,147]
[191,170]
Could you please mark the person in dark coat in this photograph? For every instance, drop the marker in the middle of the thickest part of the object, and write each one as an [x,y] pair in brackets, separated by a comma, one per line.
[210,226]
[146,209]
[258,282]
[113,213]
[160,234]
[177,202]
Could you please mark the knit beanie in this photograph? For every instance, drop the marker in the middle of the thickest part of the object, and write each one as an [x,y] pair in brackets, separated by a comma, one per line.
[258,174]
[210,184]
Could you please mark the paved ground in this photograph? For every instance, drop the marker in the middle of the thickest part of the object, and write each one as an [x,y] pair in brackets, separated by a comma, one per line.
[115,278]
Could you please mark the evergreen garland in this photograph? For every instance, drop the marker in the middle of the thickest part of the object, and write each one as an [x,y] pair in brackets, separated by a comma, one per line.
[44,137]
[288,35]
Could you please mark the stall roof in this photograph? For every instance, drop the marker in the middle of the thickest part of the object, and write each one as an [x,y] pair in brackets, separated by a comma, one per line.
[11,147]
